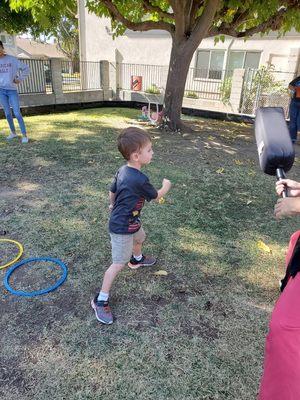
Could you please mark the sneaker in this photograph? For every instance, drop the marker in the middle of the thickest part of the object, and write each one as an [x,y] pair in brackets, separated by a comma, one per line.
[102,311]
[144,262]
[12,136]
[25,139]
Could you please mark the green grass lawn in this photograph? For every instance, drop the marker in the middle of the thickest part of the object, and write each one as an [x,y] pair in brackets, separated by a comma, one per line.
[197,333]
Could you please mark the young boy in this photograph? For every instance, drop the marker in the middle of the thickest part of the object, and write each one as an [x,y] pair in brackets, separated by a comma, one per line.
[127,196]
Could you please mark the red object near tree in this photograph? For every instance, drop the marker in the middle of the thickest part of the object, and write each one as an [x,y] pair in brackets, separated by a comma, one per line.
[136,83]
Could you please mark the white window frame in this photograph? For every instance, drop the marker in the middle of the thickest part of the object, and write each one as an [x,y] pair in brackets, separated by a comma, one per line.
[209,61]
[244,57]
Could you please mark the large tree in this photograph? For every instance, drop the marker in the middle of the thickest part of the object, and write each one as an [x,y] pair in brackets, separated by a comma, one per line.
[56,19]
[188,23]
[12,21]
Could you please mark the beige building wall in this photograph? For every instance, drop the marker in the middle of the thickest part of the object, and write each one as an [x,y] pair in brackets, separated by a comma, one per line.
[134,47]
[154,47]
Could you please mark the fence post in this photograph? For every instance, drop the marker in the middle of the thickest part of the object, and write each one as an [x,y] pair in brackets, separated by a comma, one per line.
[237,89]
[104,73]
[118,82]
[57,82]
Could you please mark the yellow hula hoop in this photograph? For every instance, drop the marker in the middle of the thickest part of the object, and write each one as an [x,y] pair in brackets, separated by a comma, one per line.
[20,247]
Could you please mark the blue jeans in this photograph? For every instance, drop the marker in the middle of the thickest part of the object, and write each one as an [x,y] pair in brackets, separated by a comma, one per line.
[10,99]
[294,119]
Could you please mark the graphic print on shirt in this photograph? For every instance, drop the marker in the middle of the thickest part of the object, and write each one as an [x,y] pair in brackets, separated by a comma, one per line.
[135,222]
[4,68]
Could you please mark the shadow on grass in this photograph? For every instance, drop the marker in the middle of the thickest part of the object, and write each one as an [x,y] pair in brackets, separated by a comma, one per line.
[206,318]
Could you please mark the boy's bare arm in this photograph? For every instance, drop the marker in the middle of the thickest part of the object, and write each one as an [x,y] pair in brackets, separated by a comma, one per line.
[166,186]
[112,197]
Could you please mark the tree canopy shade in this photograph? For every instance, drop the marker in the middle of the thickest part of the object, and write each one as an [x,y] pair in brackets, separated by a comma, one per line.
[38,18]
[12,21]
[187,21]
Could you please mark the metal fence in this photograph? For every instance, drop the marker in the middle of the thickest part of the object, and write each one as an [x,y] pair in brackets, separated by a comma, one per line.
[154,77]
[260,87]
[40,78]
[206,84]
[76,76]
[265,88]
[200,83]
[80,75]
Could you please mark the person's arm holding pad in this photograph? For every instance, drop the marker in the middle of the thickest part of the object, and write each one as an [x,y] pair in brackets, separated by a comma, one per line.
[288,206]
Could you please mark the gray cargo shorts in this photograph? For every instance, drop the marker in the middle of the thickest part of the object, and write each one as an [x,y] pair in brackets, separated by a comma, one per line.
[122,245]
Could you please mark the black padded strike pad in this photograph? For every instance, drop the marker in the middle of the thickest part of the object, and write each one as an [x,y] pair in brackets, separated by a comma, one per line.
[274,145]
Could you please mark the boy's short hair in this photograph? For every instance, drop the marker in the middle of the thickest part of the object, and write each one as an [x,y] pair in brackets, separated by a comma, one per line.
[131,140]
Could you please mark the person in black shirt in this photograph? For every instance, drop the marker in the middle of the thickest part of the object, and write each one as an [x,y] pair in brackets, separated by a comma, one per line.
[127,195]
[294,126]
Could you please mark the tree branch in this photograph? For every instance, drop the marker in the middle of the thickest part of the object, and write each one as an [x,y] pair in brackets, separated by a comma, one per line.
[137,26]
[204,22]
[179,20]
[239,18]
[71,12]
[195,6]
[273,23]
[190,13]
[150,7]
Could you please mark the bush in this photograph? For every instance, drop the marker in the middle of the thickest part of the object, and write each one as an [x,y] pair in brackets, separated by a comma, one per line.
[256,83]
[261,83]
[225,90]
[153,89]
[191,95]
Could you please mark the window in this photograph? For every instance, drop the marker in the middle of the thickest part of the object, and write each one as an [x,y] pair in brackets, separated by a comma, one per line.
[242,59]
[252,60]
[209,64]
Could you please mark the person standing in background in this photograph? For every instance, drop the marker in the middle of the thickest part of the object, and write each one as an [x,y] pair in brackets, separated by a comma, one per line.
[294,126]
[12,72]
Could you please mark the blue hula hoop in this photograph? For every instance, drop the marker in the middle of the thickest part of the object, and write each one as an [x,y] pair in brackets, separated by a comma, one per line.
[36,292]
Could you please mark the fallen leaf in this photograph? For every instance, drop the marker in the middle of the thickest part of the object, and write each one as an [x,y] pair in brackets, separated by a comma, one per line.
[249,202]
[238,162]
[210,137]
[262,246]
[161,272]
[161,200]
[220,171]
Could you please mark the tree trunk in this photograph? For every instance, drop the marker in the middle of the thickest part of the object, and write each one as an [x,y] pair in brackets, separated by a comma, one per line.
[181,56]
